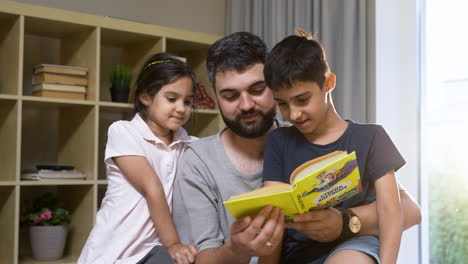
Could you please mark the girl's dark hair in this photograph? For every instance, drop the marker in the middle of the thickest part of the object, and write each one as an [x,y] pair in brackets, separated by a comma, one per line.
[296,58]
[159,70]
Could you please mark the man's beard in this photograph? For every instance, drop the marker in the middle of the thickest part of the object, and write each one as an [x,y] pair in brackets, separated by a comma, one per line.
[253,129]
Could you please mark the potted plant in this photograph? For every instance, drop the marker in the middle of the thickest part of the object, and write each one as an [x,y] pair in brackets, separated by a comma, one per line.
[47,227]
[120,77]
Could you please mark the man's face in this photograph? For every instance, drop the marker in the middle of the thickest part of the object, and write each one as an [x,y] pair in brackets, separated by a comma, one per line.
[245,102]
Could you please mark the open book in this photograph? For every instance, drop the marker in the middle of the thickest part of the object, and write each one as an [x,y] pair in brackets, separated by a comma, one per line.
[319,183]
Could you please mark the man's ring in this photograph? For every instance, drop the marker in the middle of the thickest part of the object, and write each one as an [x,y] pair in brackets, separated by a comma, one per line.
[269,244]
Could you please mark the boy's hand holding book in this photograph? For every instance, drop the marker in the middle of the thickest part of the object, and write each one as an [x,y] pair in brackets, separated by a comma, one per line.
[319,225]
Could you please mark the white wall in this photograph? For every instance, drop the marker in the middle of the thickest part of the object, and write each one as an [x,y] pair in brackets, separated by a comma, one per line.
[397,96]
[205,16]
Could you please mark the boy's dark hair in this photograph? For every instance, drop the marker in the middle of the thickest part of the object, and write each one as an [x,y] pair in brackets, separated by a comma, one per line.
[237,51]
[159,70]
[296,58]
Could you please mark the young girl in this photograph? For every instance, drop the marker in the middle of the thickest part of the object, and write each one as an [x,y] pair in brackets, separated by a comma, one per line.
[141,159]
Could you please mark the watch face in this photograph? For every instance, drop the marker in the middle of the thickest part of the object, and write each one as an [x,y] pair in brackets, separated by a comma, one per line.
[354,224]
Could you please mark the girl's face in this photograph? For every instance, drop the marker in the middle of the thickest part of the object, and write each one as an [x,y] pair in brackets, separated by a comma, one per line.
[170,107]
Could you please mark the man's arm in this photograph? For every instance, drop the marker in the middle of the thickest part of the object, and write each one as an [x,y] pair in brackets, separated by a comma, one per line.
[260,236]
[197,220]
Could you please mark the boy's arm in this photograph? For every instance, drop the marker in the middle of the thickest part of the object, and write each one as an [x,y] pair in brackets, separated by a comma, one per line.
[142,176]
[326,225]
[390,217]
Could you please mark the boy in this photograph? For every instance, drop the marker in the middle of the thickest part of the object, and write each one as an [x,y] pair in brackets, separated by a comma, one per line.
[298,74]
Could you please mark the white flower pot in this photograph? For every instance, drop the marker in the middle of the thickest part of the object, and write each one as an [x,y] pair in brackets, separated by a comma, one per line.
[47,242]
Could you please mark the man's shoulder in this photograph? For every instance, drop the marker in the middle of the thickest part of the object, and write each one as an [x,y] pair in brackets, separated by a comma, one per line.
[201,150]
[205,143]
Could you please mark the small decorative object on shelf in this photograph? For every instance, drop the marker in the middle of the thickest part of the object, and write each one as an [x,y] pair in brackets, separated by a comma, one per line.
[47,227]
[120,78]
[204,100]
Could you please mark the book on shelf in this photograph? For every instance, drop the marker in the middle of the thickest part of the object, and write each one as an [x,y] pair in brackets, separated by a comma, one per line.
[59,87]
[63,69]
[59,94]
[59,78]
[44,175]
[316,184]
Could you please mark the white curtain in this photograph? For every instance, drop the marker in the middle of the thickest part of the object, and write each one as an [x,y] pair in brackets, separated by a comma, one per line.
[345,27]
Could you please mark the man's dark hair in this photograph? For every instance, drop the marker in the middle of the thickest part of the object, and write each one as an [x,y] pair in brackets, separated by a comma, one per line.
[237,52]
[296,58]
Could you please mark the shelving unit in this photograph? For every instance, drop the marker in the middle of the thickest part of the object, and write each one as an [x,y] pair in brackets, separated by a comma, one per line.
[35,130]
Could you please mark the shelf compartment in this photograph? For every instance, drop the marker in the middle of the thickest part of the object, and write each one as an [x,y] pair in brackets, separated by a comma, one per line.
[101,192]
[55,42]
[8,139]
[10,45]
[8,221]
[59,133]
[195,53]
[203,123]
[128,48]
[108,115]
[79,201]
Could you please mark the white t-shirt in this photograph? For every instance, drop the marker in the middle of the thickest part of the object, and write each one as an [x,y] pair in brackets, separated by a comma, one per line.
[124,231]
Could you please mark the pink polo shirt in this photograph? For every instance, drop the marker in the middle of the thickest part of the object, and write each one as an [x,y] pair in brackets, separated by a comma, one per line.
[124,231]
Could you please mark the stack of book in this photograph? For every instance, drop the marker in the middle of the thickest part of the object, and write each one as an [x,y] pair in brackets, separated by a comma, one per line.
[52,172]
[60,81]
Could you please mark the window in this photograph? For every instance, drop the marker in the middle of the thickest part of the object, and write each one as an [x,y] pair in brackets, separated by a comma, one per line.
[444,131]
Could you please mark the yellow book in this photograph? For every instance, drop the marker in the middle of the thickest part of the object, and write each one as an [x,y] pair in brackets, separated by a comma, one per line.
[319,183]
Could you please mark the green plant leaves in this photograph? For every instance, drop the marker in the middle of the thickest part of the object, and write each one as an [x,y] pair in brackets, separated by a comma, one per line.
[120,76]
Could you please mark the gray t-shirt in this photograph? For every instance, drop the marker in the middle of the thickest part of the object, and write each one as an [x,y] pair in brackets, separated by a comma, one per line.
[205,179]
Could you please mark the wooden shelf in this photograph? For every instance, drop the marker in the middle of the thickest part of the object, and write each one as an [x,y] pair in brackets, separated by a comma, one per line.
[67,259]
[30,100]
[9,139]
[39,130]
[10,52]
[57,182]
[8,217]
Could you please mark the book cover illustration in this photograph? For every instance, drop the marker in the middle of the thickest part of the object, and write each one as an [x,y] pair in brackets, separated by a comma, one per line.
[319,183]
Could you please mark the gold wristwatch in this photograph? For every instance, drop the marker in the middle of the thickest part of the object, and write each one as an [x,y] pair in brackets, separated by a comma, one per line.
[351,224]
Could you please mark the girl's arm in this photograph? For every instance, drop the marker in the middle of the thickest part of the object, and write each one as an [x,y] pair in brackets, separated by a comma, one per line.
[142,176]
[390,217]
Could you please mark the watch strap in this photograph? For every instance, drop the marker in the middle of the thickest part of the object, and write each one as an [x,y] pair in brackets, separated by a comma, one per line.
[346,233]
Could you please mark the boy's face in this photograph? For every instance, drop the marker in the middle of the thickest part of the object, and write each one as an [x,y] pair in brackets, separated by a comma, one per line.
[246,104]
[305,105]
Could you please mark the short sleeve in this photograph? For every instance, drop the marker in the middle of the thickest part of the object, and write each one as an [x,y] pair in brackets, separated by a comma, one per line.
[195,211]
[383,156]
[273,164]
[122,141]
